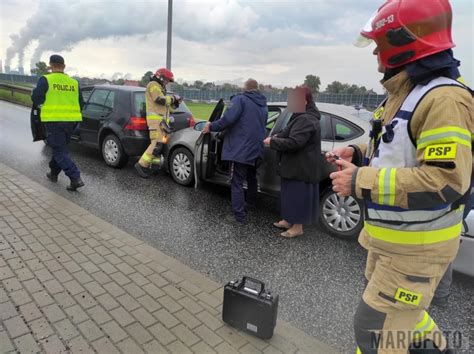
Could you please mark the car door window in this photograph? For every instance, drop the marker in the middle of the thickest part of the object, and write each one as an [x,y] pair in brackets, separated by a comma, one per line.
[272,118]
[97,100]
[86,93]
[140,105]
[326,131]
[109,102]
[344,130]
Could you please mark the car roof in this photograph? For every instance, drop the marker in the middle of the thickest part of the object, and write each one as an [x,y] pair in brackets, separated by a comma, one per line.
[117,87]
[120,88]
[346,112]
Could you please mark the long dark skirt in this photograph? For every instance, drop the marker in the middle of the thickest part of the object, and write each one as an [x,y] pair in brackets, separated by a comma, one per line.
[299,201]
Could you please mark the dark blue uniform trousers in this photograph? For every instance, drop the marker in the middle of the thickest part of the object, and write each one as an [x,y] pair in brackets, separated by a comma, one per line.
[239,173]
[58,136]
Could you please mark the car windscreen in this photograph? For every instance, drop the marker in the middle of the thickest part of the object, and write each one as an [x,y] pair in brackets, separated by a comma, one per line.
[140,106]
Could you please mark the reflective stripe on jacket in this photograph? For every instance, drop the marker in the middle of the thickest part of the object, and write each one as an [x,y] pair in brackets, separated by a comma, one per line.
[61,100]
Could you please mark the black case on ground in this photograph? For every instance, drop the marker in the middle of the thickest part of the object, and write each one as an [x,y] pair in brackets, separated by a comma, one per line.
[249,309]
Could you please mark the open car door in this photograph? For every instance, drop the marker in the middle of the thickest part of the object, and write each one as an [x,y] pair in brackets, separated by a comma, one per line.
[201,149]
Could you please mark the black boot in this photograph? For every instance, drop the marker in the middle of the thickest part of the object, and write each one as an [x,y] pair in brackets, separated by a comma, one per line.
[440,301]
[142,171]
[428,347]
[52,177]
[77,183]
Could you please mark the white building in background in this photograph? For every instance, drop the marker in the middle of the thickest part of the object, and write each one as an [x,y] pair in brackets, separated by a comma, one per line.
[1,67]
[7,69]
[21,70]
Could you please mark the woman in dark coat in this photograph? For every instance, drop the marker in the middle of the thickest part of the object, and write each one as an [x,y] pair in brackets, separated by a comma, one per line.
[299,147]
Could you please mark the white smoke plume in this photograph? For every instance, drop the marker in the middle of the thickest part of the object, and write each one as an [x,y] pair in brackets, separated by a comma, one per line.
[59,25]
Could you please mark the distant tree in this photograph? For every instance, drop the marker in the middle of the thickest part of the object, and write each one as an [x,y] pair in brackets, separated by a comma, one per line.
[119,82]
[208,85]
[145,79]
[352,90]
[338,87]
[313,82]
[198,84]
[335,87]
[177,88]
[227,87]
[40,69]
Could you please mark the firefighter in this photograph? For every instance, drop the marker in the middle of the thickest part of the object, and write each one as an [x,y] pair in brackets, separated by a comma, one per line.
[159,105]
[412,176]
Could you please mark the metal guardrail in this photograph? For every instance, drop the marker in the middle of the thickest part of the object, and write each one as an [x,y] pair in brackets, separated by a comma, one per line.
[18,89]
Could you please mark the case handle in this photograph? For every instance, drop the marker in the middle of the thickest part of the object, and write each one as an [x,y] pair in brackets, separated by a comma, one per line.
[253,280]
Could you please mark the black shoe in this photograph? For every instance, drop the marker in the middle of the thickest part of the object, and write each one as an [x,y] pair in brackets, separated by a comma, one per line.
[78,183]
[428,347]
[142,172]
[52,177]
[250,207]
[231,219]
[440,301]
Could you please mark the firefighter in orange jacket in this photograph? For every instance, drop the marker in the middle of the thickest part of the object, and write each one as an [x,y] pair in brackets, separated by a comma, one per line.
[413,176]
[159,105]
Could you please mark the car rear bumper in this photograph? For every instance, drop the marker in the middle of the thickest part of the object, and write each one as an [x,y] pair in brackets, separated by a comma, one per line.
[135,145]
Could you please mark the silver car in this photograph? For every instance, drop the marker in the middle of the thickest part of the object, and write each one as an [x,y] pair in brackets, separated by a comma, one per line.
[464,262]
[193,157]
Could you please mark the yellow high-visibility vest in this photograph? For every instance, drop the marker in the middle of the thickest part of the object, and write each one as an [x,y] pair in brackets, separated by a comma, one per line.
[62,99]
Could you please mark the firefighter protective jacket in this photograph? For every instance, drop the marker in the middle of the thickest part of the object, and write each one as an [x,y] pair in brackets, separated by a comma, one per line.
[419,170]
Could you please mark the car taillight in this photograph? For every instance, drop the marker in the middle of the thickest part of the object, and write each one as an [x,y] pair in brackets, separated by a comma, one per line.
[191,122]
[136,123]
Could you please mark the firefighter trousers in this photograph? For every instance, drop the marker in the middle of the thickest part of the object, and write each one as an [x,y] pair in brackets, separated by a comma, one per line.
[391,316]
[152,155]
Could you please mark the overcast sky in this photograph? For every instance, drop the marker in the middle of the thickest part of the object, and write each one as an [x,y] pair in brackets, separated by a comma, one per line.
[274,41]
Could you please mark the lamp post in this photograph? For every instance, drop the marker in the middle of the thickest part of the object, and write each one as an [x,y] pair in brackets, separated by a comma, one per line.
[170,25]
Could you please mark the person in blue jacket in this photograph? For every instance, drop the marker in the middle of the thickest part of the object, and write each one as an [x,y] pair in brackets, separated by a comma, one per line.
[244,122]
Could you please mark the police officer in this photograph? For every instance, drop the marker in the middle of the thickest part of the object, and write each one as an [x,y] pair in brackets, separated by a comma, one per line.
[59,100]
[159,105]
[412,176]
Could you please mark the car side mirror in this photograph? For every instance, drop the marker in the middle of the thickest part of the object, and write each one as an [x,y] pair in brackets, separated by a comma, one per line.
[199,126]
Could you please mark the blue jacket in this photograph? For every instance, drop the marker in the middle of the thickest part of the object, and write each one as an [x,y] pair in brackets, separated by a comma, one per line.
[244,121]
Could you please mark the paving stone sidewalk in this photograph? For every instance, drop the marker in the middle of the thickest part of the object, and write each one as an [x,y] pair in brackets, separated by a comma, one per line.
[71,282]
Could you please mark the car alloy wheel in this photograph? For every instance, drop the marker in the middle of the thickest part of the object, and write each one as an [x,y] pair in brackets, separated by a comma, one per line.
[111,151]
[342,214]
[181,166]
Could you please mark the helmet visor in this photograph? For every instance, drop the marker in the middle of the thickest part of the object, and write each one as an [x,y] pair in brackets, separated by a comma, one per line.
[362,40]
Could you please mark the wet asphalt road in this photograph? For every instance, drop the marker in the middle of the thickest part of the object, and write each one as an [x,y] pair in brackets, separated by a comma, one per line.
[319,278]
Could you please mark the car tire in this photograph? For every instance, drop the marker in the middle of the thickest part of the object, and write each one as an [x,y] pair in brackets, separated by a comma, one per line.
[113,153]
[181,166]
[341,217]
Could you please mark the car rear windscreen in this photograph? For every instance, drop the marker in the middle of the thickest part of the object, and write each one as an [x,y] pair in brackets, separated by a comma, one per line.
[140,106]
